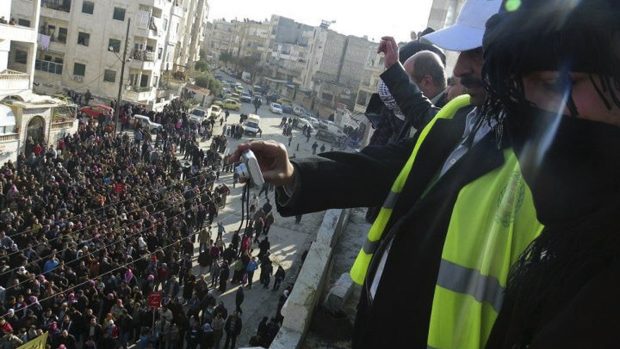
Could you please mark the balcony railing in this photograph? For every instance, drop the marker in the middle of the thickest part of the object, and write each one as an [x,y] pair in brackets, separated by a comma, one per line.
[47,66]
[143,55]
[13,75]
[9,136]
[142,88]
[59,5]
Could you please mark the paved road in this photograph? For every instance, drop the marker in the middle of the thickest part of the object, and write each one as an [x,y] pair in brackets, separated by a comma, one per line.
[288,240]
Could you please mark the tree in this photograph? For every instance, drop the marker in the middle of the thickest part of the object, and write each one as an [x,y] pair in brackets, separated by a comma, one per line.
[206,80]
[201,66]
[226,57]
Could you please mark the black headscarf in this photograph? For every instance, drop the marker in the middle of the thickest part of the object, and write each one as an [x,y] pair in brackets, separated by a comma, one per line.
[573,171]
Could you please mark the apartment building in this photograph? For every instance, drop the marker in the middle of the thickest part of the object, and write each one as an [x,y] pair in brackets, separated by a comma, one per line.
[219,38]
[26,119]
[335,66]
[193,29]
[82,42]
[253,40]
[290,48]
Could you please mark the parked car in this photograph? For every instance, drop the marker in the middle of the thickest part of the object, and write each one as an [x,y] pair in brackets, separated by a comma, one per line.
[231,104]
[329,136]
[251,125]
[215,111]
[287,109]
[197,115]
[303,122]
[275,108]
[313,121]
[245,98]
[146,123]
[95,111]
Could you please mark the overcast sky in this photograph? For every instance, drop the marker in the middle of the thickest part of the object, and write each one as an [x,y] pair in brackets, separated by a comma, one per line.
[353,17]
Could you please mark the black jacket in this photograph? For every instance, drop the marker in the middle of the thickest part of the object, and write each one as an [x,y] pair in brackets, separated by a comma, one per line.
[399,315]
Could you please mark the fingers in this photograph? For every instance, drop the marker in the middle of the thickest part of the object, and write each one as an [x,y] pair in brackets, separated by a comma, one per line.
[260,148]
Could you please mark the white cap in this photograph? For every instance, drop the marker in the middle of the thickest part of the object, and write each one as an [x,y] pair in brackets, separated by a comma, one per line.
[468,30]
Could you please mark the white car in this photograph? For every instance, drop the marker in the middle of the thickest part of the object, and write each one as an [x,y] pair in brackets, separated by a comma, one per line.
[303,122]
[275,108]
[147,124]
[215,111]
[313,121]
[197,115]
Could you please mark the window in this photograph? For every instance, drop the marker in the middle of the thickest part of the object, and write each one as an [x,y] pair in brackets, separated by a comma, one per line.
[83,39]
[62,35]
[159,53]
[23,22]
[114,45]
[109,75]
[165,24]
[79,69]
[21,56]
[88,7]
[119,14]
[144,81]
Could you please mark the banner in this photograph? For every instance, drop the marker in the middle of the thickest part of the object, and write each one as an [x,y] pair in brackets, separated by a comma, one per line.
[37,343]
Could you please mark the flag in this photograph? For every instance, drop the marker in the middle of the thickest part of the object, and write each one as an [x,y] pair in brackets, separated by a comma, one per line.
[37,343]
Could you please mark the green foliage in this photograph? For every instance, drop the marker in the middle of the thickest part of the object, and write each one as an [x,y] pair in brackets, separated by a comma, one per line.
[206,80]
[201,66]
[226,57]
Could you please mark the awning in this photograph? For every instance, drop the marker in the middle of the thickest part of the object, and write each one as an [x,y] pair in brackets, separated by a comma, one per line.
[7,118]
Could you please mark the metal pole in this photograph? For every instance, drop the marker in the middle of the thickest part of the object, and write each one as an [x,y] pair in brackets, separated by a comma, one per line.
[117,110]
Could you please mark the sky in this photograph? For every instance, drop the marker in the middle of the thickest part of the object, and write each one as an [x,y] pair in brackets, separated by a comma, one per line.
[353,17]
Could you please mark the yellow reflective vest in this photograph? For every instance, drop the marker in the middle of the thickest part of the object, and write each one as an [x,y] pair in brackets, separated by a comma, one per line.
[492,222]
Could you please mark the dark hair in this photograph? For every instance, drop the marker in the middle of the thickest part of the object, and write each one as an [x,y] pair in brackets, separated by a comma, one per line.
[554,35]
[413,47]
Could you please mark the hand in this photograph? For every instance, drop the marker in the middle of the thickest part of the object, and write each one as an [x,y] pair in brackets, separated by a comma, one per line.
[389,48]
[273,161]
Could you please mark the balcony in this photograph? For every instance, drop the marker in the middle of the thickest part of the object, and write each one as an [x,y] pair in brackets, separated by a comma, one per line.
[139,94]
[143,60]
[12,81]
[150,29]
[48,67]
[57,9]
[58,5]
[17,33]
[143,55]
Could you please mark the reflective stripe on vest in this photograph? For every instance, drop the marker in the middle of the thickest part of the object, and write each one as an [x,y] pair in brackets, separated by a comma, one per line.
[492,222]
[360,266]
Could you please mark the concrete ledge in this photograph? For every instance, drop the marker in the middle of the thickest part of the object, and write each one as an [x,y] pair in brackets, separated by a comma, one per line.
[302,301]
[339,294]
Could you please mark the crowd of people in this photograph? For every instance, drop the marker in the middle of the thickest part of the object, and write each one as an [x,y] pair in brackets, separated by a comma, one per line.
[93,226]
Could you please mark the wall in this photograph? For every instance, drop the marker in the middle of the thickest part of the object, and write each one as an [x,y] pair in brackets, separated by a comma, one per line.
[306,293]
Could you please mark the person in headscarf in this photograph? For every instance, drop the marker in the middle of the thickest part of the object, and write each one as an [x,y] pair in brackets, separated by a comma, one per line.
[552,70]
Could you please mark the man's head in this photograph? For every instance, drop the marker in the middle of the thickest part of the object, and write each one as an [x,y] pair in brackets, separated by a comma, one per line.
[465,36]
[426,69]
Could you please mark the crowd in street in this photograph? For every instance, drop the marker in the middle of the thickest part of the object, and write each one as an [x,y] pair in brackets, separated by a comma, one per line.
[91,227]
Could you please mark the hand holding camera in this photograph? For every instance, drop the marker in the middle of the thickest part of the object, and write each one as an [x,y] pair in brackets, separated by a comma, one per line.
[272,160]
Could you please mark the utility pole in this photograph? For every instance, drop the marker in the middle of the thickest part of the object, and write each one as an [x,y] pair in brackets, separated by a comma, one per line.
[117,110]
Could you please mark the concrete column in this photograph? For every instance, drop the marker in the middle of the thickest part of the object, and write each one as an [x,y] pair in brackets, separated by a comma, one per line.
[32,53]
[32,48]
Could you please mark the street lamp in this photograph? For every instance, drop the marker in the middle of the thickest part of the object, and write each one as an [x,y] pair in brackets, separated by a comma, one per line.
[117,110]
